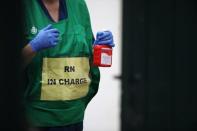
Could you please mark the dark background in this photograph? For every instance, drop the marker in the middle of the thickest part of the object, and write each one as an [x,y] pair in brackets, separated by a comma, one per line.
[11,110]
[159,90]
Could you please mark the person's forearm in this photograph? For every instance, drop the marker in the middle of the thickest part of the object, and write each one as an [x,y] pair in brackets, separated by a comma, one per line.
[27,55]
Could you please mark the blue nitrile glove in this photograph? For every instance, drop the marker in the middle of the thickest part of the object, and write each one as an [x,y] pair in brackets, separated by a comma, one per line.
[46,38]
[104,37]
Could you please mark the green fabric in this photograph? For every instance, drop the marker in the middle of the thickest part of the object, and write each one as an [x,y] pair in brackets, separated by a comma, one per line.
[75,41]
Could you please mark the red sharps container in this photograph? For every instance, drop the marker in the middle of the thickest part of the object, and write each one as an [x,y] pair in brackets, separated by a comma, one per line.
[102,55]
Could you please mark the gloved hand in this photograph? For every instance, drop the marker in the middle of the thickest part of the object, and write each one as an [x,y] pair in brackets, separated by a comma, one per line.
[46,38]
[104,38]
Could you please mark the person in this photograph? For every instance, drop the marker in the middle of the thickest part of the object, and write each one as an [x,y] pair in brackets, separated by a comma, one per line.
[58,57]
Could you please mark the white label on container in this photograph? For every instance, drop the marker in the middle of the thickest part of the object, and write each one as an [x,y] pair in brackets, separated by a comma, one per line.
[105,59]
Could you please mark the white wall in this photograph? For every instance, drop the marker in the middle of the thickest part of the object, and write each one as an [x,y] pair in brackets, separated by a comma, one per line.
[103,112]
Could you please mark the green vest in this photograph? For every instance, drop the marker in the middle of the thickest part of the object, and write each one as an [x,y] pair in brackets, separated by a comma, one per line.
[61,80]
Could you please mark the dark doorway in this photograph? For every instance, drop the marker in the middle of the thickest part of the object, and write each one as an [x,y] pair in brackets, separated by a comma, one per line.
[159,68]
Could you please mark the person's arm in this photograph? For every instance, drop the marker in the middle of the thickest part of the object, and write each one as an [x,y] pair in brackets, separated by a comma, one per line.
[27,55]
[46,38]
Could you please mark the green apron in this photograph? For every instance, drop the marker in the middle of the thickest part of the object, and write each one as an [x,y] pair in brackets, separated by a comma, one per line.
[61,80]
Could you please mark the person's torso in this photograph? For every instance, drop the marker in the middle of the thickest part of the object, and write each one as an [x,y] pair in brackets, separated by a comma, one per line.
[69,59]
